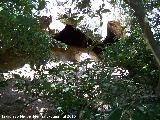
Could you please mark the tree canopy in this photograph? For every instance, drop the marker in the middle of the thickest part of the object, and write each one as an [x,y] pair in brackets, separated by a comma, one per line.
[123,84]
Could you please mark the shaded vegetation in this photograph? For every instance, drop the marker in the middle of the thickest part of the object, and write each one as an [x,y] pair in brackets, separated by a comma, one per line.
[74,89]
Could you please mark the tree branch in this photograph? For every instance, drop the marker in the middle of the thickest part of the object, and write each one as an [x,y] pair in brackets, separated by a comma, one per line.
[139,11]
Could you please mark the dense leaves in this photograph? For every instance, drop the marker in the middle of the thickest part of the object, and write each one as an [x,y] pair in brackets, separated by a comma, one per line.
[81,90]
[20,32]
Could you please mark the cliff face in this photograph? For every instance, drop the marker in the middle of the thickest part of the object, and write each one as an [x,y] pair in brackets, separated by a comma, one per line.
[77,42]
[11,61]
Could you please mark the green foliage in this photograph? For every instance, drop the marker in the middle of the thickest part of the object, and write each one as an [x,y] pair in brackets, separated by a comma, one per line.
[20,31]
[115,115]
[75,88]
[83,4]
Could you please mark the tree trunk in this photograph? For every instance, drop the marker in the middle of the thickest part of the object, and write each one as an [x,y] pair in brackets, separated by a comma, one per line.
[139,12]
